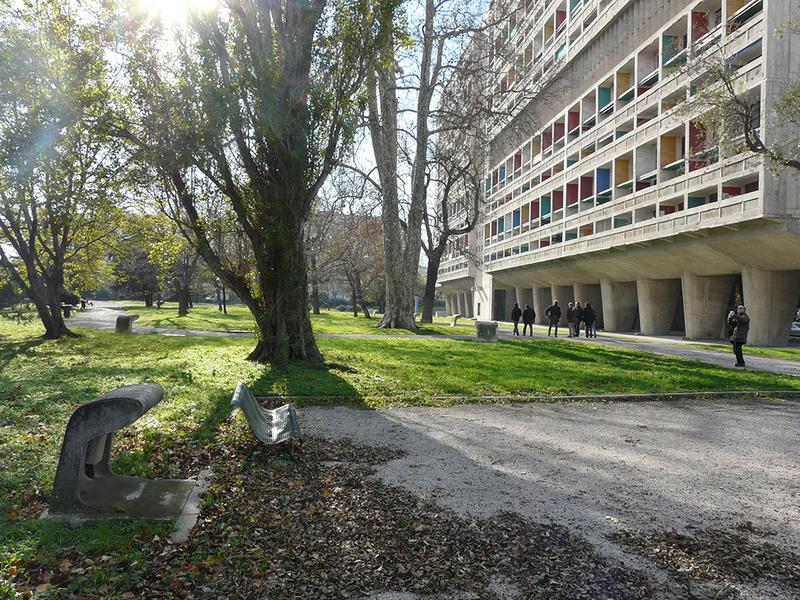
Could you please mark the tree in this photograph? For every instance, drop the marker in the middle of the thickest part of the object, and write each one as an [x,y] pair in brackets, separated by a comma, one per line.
[730,113]
[454,216]
[491,92]
[58,172]
[264,95]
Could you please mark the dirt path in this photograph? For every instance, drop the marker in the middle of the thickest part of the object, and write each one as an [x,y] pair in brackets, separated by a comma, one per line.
[597,468]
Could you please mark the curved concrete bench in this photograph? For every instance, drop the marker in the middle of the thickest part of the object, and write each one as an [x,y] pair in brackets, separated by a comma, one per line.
[85,487]
[125,323]
[486,331]
[454,320]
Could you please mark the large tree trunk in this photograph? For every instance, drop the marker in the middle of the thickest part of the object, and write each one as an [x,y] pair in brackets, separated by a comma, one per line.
[52,331]
[183,298]
[219,300]
[224,301]
[55,287]
[148,299]
[284,324]
[431,277]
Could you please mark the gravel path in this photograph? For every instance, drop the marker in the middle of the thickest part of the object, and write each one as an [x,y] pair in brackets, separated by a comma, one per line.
[597,467]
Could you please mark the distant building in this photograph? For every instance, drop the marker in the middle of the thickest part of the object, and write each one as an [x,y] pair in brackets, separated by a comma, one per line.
[620,199]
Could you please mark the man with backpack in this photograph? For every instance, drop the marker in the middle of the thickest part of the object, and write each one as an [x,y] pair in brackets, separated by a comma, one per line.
[528,319]
[516,315]
[554,316]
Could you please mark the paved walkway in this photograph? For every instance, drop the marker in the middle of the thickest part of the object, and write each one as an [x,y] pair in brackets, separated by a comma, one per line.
[103,316]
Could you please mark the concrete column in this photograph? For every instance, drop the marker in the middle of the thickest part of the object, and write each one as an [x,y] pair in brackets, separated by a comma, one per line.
[590,292]
[619,304]
[658,300]
[464,304]
[541,300]
[771,299]
[520,293]
[470,312]
[705,304]
[460,304]
[564,294]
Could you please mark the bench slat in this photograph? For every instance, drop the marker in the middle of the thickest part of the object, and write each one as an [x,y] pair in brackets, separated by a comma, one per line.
[268,426]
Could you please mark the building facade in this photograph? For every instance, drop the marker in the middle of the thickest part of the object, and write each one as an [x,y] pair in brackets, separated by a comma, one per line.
[619,197]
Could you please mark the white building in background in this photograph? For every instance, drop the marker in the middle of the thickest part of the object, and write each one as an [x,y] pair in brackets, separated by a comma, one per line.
[619,199]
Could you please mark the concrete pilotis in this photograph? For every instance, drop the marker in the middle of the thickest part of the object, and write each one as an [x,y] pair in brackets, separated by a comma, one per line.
[658,301]
[585,292]
[705,304]
[459,304]
[541,300]
[620,303]
[771,299]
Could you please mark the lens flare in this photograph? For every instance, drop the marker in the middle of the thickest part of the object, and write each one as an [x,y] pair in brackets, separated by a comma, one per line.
[174,11]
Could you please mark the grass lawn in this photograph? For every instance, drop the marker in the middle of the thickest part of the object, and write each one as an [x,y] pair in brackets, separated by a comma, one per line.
[41,383]
[207,317]
[788,353]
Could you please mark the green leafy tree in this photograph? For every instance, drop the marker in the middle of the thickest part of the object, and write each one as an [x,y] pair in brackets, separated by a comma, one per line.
[251,109]
[57,173]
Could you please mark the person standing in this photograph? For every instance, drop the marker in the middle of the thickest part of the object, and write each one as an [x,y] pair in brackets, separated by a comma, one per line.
[516,315]
[571,319]
[553,314]
[589,319]
[578,319]
[739,328]
[528,319]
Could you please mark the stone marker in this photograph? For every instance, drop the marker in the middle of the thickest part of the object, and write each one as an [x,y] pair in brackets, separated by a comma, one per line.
[454,320]
[85,487]
[125,323]
[487,331]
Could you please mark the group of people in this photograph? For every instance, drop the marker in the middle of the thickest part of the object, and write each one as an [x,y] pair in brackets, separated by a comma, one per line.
[577,315]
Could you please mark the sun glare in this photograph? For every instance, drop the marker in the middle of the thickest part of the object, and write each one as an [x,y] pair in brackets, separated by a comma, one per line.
[174,11]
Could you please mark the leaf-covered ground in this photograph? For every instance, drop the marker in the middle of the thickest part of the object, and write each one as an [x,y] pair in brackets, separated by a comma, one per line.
[316,525]
[717,560]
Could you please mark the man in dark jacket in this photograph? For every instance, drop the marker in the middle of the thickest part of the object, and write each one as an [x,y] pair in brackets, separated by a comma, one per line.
[571,319]
[528,319]
[739,326]
[589,318]
[578,318]
[516,315]
[554,316]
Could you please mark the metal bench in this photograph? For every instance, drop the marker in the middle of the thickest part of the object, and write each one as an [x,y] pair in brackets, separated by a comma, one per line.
[268,426]
[85,487]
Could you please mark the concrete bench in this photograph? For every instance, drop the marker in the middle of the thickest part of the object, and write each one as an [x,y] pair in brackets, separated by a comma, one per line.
[125,323]
[454,320]
[85,487]
[486,331]
[268,426]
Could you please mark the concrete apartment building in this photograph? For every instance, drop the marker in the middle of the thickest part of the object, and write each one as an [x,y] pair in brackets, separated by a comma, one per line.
[619,197]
